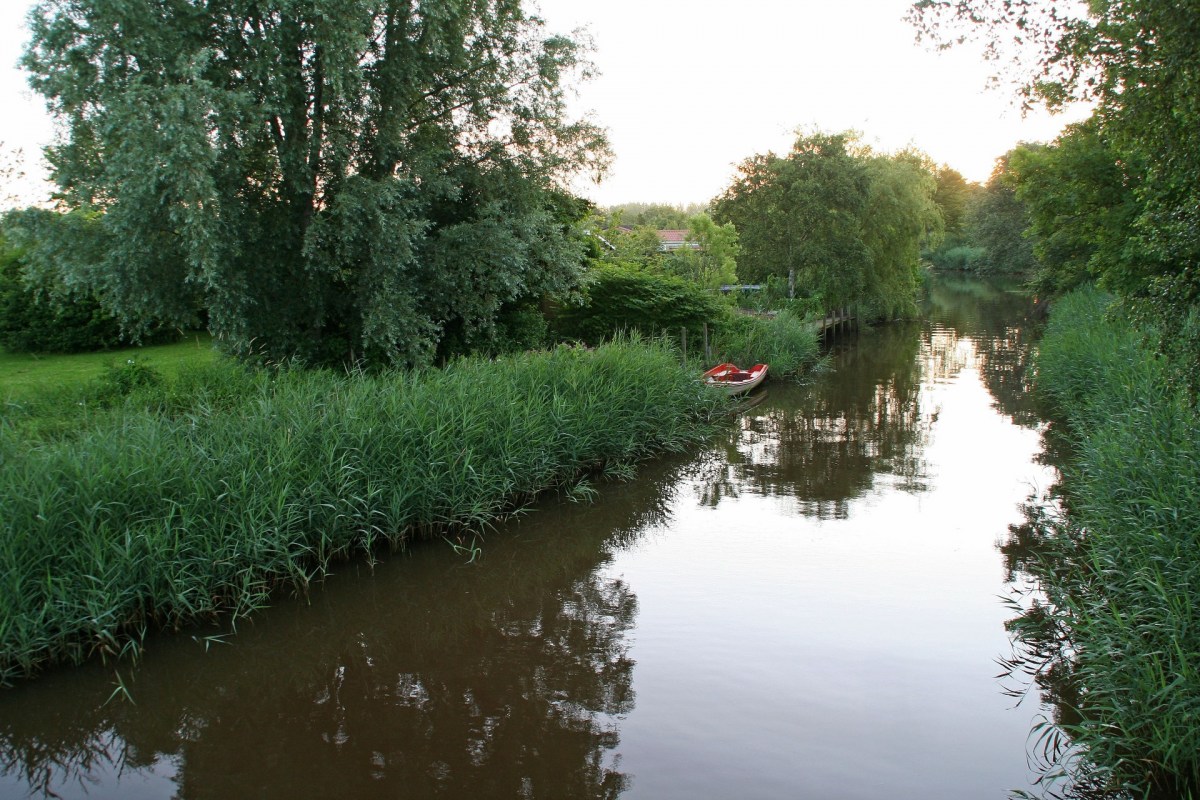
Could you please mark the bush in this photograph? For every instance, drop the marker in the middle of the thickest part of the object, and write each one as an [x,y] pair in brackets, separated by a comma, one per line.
[619,298]
[46,321]
[41,311]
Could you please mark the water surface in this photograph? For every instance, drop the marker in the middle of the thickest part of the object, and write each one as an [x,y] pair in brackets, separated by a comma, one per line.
[809,608]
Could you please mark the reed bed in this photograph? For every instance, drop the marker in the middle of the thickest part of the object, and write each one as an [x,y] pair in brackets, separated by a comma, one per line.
[1129,592]
[785,342]
[202,496]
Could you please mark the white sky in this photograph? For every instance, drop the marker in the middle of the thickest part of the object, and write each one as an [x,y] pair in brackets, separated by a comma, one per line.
[688,89]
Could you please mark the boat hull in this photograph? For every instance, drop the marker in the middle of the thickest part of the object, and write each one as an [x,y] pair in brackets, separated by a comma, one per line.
[733,381]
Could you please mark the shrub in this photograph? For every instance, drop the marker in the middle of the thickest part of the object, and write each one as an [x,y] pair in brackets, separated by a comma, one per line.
[49,320]
[619,298]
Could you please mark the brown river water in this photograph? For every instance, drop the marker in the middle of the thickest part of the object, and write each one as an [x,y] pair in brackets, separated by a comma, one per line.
[809,608]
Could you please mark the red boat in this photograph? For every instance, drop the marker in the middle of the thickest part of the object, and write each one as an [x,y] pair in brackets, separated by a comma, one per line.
[734,380]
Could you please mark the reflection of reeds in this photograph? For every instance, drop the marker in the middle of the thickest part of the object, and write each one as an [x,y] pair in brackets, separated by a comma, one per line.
[1125,575]
[431,645]
[177,506]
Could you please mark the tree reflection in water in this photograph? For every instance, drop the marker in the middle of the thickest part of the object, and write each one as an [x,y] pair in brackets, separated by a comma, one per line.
[824,444]
[433,678]
[827,443]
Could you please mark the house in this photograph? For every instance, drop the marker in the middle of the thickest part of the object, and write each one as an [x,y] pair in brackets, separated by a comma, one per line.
[675,240]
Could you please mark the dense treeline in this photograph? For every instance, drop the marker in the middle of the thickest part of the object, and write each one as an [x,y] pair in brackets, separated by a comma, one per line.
[987,226]
[1115,200]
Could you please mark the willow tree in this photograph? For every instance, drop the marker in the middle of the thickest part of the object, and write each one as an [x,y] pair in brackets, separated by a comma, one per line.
[799,216]
[901,217]
[317,178]
[845,224]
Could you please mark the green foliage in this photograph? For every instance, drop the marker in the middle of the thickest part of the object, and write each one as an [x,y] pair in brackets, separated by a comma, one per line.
[1127,593]
[953,196]
[962,257]
[712,262]
[901,215]
[1138,61]
[998,222]
[836,221]
[799,216]
[658,216]
[201,497]
[1082,204]
[639,248]
[619,298]
[336,180]
[783,341]
[40,313]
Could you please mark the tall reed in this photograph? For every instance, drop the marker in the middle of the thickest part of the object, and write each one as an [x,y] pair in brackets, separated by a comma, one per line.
[202,496]
[1130,594]
[784,342]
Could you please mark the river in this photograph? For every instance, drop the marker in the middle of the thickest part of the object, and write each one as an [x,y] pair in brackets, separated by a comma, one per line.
[809,608]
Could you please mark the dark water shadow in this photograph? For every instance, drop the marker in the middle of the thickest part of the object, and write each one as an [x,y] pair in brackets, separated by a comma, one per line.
[432,677]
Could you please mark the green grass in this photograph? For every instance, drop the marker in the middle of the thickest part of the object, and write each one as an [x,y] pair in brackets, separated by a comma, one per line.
[784,342]
[1126,586]
[171,500]
[25,376]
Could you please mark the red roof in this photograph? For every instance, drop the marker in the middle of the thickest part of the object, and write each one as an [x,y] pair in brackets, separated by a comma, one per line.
[672,236]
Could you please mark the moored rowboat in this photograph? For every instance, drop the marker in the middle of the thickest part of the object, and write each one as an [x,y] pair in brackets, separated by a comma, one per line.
[733,380]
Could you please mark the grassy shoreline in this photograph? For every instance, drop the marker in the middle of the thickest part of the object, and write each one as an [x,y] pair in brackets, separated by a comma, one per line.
[1123,576]
[202,494]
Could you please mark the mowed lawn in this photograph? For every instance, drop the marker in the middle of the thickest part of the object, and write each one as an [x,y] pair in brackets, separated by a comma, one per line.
[24,375]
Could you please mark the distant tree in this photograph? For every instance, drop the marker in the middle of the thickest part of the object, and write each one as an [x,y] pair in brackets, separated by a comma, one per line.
[998,220]
[659,216]
[710,259]
[1138,61]
[799,216]
[336,179]
[953,196]
[900,216]
[638,247]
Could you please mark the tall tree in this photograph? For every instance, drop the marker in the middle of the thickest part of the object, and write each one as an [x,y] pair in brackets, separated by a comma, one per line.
[799,216]
[900,217]
[325,178]
[1082,204]
[1139,62]
[953,196]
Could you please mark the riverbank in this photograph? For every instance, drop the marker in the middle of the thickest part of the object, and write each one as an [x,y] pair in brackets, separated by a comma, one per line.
[1122,573]
[172,501]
